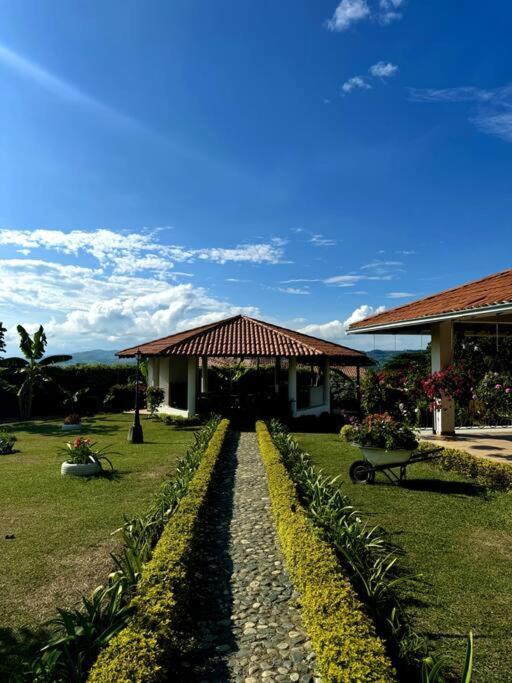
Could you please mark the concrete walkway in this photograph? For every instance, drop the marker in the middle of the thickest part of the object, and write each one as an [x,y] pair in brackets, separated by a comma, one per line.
[245,612]
[492,443]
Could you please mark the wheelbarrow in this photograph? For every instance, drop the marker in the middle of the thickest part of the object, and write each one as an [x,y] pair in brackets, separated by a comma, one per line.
[392,464]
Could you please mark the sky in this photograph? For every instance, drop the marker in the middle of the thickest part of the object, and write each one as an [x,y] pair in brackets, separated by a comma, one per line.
[171,163]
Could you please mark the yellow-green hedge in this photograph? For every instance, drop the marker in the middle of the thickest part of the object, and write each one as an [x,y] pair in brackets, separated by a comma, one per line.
[343,636]
[138,653]
[495,475]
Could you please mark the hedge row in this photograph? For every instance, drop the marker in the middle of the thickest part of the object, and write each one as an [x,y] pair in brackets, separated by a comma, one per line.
[139,653]
[495,475]
[343,636]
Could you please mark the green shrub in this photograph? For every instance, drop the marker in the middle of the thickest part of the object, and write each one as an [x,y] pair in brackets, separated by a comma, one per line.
[347,647]
[140,651]
[7,441]
[178,421]
[155,396]
[494,475]
[121,397]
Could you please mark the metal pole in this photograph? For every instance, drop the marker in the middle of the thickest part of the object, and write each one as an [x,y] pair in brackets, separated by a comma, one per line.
[135,434]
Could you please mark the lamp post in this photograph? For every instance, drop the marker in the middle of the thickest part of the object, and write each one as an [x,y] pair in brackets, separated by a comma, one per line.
[135,434]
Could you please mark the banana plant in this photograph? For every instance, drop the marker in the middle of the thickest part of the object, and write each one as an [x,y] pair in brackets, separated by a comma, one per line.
[32,367]
[2,337]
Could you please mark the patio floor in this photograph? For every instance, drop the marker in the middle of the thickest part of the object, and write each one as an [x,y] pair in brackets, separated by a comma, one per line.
[494,443]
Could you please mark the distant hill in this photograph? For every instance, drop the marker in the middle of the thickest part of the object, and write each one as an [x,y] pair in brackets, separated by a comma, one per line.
[97,356]
[380,356]
[109,357]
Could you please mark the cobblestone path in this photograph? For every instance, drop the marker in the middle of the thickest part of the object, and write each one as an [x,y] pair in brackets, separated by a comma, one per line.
[245,611]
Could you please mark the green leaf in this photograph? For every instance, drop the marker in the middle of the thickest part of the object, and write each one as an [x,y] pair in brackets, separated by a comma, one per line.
[51,360]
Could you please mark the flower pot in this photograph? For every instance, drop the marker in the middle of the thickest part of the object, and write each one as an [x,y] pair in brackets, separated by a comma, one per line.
[71,428]
[381,456]
[89,469]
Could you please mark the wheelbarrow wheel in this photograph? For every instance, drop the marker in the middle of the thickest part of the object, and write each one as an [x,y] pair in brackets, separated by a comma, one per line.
[361,472]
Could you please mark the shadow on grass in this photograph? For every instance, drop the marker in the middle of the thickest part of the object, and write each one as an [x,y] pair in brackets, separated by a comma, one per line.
[445,486]
[52,429]
[17,649]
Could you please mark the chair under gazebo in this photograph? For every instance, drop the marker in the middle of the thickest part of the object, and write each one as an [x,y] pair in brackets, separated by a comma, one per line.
[300,367]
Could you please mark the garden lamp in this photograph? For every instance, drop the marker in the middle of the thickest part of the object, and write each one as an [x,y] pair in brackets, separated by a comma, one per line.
[135,434]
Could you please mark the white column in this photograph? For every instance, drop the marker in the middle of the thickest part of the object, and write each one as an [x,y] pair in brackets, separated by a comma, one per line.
[204,374]
[327,385]
[163,379]
[292,385]
[442,356]
[191,385]
[153,372]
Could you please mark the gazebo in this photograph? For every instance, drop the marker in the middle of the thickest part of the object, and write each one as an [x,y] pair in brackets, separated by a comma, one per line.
[481,307]
[178,363]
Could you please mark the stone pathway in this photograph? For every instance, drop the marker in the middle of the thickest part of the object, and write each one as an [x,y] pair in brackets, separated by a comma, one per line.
[245,612]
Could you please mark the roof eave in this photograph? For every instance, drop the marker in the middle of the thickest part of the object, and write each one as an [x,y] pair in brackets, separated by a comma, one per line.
[452,315]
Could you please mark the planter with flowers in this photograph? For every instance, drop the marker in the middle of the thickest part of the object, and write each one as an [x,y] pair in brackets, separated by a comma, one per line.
[382,439]
[72,423]
[83,460]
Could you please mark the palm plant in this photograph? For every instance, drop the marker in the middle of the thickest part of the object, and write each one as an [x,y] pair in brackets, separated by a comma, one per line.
[33,367]
[2,337]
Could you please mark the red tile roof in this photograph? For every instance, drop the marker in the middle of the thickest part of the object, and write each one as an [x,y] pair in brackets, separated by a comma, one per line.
[493,290]
[243,336]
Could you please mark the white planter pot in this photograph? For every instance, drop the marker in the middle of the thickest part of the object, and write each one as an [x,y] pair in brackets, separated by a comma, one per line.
[380,456]
[90,469]
[71,428]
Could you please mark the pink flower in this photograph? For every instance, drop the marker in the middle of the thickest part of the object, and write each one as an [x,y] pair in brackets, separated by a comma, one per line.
[508,390]
[498,386]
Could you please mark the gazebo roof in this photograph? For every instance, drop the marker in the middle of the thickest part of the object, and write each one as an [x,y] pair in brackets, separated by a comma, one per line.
[241,336]
[479,300]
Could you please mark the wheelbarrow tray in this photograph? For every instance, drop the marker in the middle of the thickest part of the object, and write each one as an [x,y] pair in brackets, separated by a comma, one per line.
[380,456]
[380,460]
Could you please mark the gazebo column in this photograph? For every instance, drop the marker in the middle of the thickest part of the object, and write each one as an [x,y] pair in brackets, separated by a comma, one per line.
[442,357]
[191,385]
[292,385]
[327,385]
[204,374]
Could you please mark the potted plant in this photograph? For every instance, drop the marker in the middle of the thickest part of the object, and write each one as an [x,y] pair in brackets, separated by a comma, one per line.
[82,460]
[7,441]
[381,438]
[72,423]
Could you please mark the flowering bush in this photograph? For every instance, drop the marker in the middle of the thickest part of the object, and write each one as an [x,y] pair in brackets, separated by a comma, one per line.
[81,451]
[451,382]
[494,393]
[380,431]
[73,419]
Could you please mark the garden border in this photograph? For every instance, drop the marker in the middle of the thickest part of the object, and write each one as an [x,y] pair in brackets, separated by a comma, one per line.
[496,476]
[138,652]
[343,636]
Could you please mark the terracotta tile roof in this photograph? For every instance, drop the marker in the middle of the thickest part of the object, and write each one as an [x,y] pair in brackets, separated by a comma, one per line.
[493,290]
[243,336]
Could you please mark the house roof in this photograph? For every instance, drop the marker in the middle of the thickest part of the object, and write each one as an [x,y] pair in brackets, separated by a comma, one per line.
[491,294]
[242,336]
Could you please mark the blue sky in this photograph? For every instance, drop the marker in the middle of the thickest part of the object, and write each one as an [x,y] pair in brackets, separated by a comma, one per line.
[164,164]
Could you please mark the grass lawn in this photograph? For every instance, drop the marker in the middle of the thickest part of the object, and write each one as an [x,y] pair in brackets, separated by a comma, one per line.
[63,525]
[458,538]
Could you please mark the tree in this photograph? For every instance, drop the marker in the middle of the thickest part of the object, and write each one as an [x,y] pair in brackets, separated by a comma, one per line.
[33,367]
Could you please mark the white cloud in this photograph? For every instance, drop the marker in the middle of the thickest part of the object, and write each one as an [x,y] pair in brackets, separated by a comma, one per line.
[336,330]
[293,290]
[493,107]
[355,83]
[321,241]
[382,264]
[400,295]
[383,70]
[350,280]
[128,253]
[347,13]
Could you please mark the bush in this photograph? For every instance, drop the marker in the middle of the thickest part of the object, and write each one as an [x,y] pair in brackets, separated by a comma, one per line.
[139,652]
[178,421]
[343,637]
[494,475]
[73,419]
[154,398]
[7,441]
[120,397]
[380,431]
